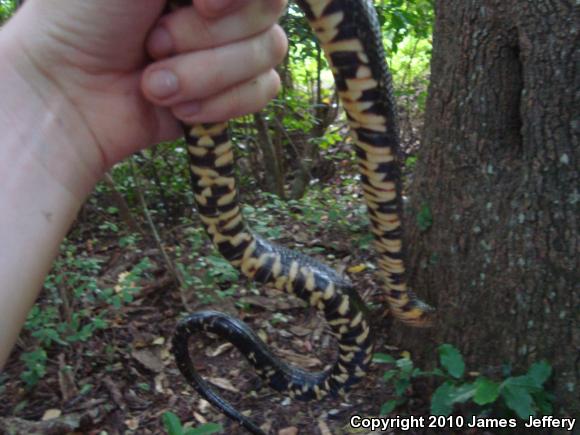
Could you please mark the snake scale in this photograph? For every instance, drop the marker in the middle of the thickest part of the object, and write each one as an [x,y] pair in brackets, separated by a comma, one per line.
[349,33]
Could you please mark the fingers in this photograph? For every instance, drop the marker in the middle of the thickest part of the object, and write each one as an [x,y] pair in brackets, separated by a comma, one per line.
[202,73]
[242,99]
[189,28]
[193,84]
[217,8]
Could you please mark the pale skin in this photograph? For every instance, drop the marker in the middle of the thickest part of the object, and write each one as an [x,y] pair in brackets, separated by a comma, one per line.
[85,84]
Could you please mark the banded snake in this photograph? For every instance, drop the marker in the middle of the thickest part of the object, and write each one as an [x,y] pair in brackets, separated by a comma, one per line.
[349,33]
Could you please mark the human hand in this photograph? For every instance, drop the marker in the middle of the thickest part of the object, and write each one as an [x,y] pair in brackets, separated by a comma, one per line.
[79,92]
[86,62]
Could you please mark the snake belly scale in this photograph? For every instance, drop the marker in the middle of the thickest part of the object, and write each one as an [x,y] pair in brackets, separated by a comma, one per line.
[349,33]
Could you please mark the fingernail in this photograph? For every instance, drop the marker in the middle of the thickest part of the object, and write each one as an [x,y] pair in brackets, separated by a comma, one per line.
[162,83]
[219,5]
[160,42]
[186,110]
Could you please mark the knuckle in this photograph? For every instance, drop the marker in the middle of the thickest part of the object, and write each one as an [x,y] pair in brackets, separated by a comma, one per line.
[265,87]
[214,81]
[275,84]
[234,106]
[279,43]
[269,89]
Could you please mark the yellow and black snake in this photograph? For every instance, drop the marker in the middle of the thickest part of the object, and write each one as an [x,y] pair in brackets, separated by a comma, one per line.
[349,33]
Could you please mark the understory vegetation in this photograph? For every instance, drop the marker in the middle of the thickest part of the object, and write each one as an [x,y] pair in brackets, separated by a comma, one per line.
[95,350]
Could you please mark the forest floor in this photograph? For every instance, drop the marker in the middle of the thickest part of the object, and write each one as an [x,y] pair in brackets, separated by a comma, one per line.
[113,371]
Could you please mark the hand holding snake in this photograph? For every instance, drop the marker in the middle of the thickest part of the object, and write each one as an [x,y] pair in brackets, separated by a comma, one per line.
[76,99]
[90,63]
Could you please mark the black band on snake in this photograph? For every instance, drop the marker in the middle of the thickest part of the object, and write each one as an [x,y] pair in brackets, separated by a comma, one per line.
[349,33]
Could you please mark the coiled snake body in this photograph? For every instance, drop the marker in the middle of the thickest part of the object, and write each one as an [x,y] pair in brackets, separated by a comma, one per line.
[349,33]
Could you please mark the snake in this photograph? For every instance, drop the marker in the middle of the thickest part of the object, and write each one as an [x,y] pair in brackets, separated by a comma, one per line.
[349,34]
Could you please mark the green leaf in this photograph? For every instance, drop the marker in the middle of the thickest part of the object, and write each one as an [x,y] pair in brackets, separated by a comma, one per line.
[540,372]
[205,429]
[441,401]
[389,374]
[525,381]
[34,357]
[383,358]
[543,401]
[85,389]
[172,423]
[486,392]
[447,394]
[519,400]
[20,406]
[405,365]
[424,218]
[417,372]
[401,386]
[451,360]
[437,372]
[116,301]
[48,334]
[388,407]
[144,386]
[462,393]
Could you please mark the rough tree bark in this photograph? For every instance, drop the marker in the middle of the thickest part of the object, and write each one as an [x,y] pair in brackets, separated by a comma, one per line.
[499,172]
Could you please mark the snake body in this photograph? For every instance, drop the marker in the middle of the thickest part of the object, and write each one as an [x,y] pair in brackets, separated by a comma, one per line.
[349,33]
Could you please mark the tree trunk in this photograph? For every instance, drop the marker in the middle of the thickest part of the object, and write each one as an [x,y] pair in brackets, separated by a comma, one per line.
[274,178]
[499,172]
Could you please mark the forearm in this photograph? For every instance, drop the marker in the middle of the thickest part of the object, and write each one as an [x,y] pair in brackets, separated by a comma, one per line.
[35,216]
[41,189]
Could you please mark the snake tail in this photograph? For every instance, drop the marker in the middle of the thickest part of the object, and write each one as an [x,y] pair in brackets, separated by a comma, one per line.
[350,34]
